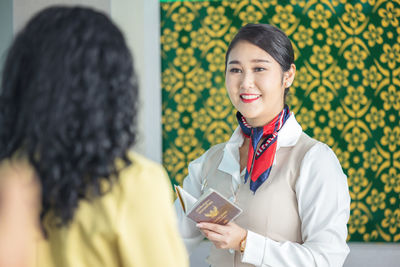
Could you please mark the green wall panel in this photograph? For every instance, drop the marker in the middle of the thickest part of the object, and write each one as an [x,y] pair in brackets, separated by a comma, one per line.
[346,91]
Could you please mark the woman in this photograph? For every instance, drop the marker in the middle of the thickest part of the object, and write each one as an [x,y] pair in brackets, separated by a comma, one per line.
[292,190]
[67,118]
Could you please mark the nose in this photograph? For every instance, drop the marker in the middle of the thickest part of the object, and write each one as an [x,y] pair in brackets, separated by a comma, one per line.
[247,81]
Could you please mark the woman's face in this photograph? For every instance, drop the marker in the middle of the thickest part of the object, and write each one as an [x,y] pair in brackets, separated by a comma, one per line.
[256,83]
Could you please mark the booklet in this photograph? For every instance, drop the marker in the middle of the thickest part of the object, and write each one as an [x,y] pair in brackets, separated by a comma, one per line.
[210,207]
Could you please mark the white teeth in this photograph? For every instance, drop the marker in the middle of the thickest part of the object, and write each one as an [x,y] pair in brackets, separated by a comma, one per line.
[250,96]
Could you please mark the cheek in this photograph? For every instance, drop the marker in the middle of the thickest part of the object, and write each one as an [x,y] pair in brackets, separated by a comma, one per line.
[230,86]
[270,84]
[232,94]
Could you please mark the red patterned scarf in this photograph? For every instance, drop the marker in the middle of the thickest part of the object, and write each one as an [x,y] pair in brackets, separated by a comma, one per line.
[259,164]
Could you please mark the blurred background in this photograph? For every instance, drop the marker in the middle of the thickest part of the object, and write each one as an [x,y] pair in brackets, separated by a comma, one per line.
[346,92]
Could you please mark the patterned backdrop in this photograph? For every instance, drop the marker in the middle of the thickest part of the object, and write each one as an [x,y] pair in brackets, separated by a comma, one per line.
[346,92]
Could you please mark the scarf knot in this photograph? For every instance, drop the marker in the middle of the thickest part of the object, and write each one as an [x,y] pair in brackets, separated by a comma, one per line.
[259,161]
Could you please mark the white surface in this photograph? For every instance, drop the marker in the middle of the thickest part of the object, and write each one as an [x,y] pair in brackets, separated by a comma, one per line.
[6,29]
[361,255]
[140,22]
[24,9]
[373,254]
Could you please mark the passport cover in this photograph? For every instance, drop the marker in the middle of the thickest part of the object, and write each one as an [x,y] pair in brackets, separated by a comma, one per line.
[214,208]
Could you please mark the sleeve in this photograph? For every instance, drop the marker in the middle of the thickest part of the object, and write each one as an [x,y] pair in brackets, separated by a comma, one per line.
[190,234]
[324,209]
[147,228]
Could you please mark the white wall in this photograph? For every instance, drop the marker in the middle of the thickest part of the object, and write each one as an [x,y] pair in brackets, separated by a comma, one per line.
[373,254]
[6,28]
[361,255]
[24,9]
[140,22]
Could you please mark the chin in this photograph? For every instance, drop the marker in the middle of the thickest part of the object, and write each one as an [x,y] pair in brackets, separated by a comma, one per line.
[249,116]
[249,113]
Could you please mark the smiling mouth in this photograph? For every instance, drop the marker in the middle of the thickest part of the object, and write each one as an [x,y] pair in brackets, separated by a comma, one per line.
[249,98]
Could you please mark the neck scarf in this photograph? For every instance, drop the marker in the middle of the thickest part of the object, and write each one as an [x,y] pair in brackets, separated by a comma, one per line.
[259,163]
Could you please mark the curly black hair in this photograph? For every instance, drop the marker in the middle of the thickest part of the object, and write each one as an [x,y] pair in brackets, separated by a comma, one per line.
[68,104]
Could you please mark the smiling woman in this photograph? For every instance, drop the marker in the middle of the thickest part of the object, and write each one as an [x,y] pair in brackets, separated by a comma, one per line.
[292,189]
[256,83]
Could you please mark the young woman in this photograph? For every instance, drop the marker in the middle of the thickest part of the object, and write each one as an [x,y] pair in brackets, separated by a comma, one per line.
[292,189]
[68,108]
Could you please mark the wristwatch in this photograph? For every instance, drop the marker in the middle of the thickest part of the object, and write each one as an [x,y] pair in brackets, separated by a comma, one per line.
[242,244]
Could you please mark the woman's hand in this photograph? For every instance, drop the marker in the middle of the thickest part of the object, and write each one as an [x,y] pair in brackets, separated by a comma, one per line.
[223,236]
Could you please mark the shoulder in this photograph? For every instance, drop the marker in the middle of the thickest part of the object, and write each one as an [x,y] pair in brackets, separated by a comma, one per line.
[213,153]
[304,143]
[20,169]
[137,183]
[320,168]
[320,152]
[143,165]
[142,172]
[141,185]
[198,167]
[315,150]
[216,152]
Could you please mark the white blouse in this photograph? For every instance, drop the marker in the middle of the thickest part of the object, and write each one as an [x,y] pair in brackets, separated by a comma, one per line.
[323,203]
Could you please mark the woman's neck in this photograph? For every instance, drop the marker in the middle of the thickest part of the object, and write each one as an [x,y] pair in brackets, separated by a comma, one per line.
[260,122]
[243,153]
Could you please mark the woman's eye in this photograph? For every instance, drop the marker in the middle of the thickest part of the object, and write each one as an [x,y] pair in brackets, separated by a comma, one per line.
[235,70]
[258,69]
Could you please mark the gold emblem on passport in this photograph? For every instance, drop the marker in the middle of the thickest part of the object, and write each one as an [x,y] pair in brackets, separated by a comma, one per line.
[212,213]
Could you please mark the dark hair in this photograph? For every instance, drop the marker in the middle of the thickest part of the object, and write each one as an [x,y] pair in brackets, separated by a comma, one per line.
[68,104]
[269,38]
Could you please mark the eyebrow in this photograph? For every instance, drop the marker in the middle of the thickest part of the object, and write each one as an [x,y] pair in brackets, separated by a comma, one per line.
[253,60]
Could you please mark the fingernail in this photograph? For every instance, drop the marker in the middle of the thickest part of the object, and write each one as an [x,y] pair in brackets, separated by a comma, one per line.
[199,225]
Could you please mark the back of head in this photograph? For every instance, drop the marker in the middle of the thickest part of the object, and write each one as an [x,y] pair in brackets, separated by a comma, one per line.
[68,103]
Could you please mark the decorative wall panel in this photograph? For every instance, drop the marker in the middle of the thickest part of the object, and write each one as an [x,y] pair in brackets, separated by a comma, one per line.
[346,91]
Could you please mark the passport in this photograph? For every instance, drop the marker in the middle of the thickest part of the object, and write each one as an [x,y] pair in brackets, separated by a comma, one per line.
[210,207]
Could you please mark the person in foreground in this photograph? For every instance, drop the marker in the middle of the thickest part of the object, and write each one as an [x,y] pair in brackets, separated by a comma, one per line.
[292,189]
[67,119]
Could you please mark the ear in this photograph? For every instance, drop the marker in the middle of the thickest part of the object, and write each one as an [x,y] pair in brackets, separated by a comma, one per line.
[289,76]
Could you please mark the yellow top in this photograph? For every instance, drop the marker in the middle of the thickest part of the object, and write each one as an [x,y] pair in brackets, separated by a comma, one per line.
[133,224]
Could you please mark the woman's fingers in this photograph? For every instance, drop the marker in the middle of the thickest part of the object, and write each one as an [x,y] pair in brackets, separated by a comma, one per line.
[212,227]
[213,236]
[218,240]
[218,234]
[223,236]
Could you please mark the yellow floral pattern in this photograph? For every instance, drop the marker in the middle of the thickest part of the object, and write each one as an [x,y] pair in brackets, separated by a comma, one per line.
[346,92]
